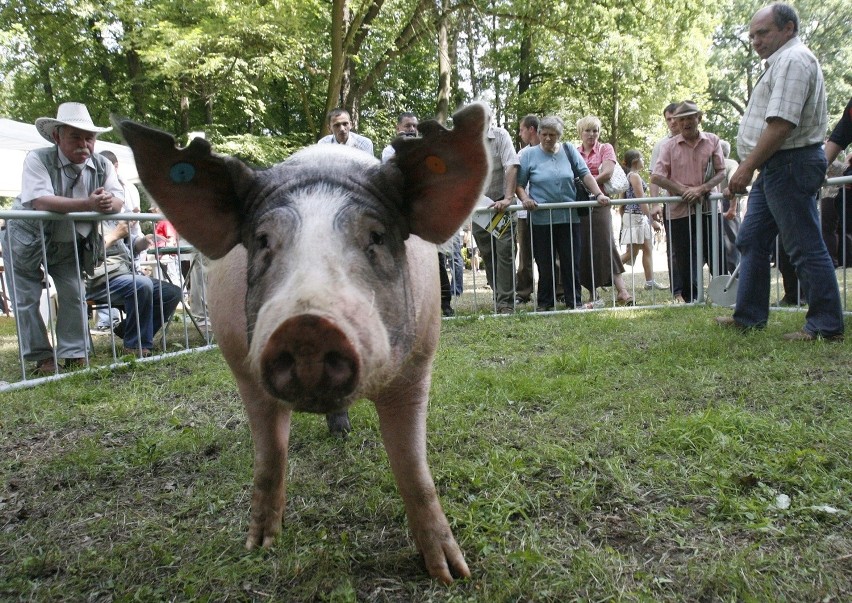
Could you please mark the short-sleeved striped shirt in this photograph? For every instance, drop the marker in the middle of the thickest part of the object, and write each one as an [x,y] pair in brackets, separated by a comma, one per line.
[503,156]
[686,162]
[791,88]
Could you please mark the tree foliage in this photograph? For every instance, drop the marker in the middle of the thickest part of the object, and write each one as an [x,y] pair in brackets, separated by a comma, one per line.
[734,67]
[244,71]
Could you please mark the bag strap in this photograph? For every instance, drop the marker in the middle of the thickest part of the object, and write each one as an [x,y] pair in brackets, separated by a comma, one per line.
[574,167]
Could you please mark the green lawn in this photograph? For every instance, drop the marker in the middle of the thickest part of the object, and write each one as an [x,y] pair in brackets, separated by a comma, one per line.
[637,455]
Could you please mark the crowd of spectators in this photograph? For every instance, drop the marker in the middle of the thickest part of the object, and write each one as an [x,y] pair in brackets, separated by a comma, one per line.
[550,253]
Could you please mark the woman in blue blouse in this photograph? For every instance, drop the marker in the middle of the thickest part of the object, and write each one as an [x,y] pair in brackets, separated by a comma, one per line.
[547,170]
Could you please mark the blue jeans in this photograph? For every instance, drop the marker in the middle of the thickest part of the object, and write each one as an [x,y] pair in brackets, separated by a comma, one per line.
[457,268]
[783,200]
[148,304]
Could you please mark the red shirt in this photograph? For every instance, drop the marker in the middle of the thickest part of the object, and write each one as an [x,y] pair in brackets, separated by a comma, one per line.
[598,154]
[165,229]
[685,162]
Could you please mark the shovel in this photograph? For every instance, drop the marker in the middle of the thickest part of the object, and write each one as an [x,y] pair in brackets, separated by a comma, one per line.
[722,290]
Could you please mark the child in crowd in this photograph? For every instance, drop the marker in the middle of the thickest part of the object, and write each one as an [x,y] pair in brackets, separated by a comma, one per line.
[636,232]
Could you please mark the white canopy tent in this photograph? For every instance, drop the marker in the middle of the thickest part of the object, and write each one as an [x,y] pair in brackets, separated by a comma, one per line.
[17,139]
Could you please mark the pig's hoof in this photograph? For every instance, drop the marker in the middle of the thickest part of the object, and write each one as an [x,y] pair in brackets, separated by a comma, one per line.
[338,424]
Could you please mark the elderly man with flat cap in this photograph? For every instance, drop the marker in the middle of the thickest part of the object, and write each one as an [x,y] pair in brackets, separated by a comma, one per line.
[691,165]
[65,177]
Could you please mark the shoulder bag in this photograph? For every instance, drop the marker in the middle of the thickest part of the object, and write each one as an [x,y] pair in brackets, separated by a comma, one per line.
[618,183]
[583,193]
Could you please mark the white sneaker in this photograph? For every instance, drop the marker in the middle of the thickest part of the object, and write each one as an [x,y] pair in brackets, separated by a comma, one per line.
[654,285]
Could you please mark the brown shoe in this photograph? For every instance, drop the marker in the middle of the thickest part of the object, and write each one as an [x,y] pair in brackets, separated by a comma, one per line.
[729,323]
[805,336]
[75,363]
[46,366]
[136,352]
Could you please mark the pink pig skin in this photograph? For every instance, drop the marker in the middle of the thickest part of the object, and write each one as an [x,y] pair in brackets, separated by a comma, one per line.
[327,291]
[400,403]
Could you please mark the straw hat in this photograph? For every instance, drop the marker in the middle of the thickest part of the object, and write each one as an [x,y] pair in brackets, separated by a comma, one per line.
[68,114]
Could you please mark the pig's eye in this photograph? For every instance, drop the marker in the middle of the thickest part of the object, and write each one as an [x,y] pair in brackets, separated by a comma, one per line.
[377,238]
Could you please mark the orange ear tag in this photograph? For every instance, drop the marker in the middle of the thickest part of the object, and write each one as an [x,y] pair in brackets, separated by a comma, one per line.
[435,164]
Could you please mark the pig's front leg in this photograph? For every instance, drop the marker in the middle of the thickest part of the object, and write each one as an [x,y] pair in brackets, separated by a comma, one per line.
[270,429]
[268,419]
[403,427]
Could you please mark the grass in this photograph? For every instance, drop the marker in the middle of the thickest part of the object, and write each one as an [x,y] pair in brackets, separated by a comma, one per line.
[105,349]
[633,455]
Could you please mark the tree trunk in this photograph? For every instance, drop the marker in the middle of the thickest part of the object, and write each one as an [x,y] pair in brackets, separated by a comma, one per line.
[46,84]
[104,67]
[616,107]
[472,41]
[497,109]
[524,60]
[184,113]
[208,110]
[338,60]
[134,76]
[444,66]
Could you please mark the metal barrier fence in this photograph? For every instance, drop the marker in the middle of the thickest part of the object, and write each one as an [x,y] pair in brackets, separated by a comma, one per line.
[711,243]
[185,326]
[494,288]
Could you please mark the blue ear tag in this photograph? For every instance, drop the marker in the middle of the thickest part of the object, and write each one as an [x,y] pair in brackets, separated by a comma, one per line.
[182,172]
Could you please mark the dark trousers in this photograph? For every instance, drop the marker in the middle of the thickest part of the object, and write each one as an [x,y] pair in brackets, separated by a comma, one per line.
[675,282]
[792,293]
[683,240]
[446,292]
[836,223]
[524,273]
[564,239]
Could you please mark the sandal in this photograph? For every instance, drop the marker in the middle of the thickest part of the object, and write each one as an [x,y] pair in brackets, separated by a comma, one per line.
[625,302]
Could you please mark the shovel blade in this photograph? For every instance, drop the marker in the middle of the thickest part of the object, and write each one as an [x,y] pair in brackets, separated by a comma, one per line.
[722,291]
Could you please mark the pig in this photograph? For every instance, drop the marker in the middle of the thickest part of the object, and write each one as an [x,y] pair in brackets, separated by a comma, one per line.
[326,291]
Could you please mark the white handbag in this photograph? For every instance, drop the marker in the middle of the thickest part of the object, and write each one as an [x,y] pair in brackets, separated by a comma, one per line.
[617,184]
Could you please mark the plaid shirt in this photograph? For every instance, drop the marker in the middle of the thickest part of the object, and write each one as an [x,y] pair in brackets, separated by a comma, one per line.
[791,88]
[503,155]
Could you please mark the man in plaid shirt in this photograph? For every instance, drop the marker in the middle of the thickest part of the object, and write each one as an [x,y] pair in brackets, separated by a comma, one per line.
[781,135]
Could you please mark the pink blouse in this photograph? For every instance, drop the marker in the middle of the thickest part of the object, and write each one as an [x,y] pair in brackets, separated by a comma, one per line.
[598,154]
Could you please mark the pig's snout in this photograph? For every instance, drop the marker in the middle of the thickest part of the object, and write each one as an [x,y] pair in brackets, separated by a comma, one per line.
[309,362]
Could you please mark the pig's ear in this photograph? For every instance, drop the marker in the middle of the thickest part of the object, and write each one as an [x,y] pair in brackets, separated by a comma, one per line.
[444,173]
[195,189]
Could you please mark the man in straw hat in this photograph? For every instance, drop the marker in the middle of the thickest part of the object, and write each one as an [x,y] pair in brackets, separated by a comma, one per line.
[690,165]
[781,134]
[65,177]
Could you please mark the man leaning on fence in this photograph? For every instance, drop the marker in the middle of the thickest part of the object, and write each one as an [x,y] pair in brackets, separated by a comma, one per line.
[65,177]
[497,252]
[690,165]
[781,135]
